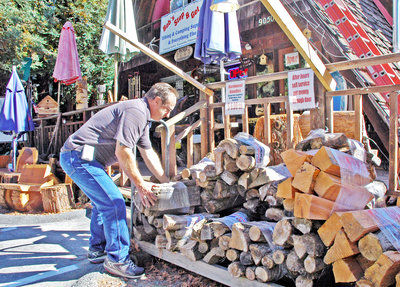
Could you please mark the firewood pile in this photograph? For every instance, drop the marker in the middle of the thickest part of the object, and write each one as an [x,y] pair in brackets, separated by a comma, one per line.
[289,222]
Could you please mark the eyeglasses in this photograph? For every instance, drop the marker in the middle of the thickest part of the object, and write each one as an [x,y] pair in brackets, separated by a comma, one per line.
[169,109]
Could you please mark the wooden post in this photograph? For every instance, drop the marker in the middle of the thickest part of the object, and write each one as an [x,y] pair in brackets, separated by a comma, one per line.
[189,149]
[317,115]
[204,126]
[172,152]
[358,117]
[245,119]
[211,123]
[267,123]
[227,124]
[289,118]
[329,113]
[393,142]
[115,80]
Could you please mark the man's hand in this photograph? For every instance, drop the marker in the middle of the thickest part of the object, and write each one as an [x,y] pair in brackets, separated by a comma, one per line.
[147,196]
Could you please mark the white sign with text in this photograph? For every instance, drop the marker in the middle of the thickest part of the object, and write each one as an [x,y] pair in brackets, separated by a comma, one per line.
[301,90]
[179,29]
[234,104]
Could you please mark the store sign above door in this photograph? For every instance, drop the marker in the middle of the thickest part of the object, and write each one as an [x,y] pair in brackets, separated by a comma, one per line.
[179,29]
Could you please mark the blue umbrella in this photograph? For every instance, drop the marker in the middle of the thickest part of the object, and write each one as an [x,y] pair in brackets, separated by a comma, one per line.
[218,36]
[15,117]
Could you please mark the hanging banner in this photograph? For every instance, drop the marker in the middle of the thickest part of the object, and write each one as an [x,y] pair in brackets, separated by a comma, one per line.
[234,104]
[301,90]
[179,29]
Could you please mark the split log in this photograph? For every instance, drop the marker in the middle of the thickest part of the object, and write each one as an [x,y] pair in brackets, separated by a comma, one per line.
[214,256]
[251,273]
[258,251]
[274,214]
[219,160]
[347,270]
[256,234]
[246,258]
[231,147]
[372,245]
[308,244]
[268,261]
[247,150]
[293,159]
[364,283]
[148,228]
[312,207]
[232,255]
[243,183]
[330,228]
[294,264]
[264,274]
[194,170]
[341,248]
[327,186]
[269,189]
[230,164]
[326,160]
[252,193]
[25,201]
[175,222]
[304,178]
[398,280]
[229,177]
[304,281]
[303,225]
[288,204]
[240,237]
[358,223]
[382,273]
[223,241]
[364,262]
[206,184]
[158,222]
[57,198]
[269,174]
[203,247]
[273,201]
[285,189]
[252,205]
[222,190]
[246,162]
[236,269]
[313,264]
[190,250]
[171,240]
[282,235]
[212,230]
[279,256]
[217,205]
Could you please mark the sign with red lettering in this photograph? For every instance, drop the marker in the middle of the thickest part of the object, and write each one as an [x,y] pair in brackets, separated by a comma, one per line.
[292,59]
[179,29]
[234,104]
[301,90]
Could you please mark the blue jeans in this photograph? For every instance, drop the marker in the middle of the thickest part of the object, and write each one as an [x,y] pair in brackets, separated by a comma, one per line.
[108,227]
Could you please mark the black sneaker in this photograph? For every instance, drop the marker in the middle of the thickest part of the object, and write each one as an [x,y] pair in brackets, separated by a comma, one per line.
[126,269]
[96,257]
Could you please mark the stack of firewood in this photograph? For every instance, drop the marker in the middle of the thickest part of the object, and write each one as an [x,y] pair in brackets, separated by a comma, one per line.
[359,251]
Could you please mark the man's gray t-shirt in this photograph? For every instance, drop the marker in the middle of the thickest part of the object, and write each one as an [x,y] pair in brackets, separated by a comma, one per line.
[128,122]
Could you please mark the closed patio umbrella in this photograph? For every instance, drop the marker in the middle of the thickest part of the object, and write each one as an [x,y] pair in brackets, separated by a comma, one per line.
[15,117]
[119,13]
[67,69]
[218,36]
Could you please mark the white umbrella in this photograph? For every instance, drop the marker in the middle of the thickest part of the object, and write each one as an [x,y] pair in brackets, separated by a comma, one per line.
[120,13]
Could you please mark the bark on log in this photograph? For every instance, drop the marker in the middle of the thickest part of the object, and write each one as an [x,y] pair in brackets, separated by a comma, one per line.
[268,261]
[304,281]
[219,160]
[258,251]
[308,244]
[313,264]
[230,146]
[364,262]
[246,259]
[223,241]
[364,283]
[175,222]
[243,182]
[247,150]
[203,247]
[252,193]
[264,274]
[217,205]
[194,170]
[212,230]
[190,250]
[229,177]
[269,174]
[294,264]
[230,164]
[214,256]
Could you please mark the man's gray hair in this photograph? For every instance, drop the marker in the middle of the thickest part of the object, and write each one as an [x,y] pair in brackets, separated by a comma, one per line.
[162,90]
